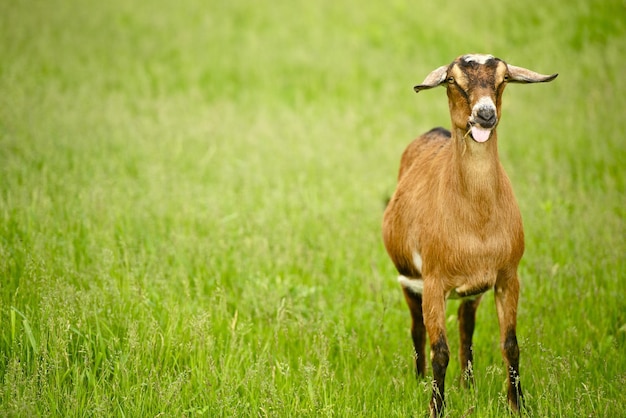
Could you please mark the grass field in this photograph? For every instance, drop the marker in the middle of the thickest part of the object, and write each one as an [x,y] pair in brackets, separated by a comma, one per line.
[191,196]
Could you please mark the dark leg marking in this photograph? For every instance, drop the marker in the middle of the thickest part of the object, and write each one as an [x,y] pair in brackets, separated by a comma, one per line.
[511,353]
[467,321]
[418,331]
[440,354]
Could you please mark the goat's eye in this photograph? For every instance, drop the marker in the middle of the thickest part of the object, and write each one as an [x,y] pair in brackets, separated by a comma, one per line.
[506,77]
[451,80]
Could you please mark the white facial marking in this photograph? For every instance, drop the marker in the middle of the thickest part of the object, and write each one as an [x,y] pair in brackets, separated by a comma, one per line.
[414,285]
[478,58]
[483,102]
[417,261]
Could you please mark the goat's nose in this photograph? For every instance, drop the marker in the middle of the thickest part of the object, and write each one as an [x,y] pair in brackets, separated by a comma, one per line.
[486,116]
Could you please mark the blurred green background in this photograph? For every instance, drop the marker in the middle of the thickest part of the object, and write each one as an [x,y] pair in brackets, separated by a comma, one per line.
[191,196]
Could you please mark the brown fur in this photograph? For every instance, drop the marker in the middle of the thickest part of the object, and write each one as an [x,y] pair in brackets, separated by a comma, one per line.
[455,207]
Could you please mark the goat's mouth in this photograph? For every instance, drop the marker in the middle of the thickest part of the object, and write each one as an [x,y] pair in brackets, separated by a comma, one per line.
[478,133]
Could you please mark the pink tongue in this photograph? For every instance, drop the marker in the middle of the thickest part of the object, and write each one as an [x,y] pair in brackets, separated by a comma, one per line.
[480,135]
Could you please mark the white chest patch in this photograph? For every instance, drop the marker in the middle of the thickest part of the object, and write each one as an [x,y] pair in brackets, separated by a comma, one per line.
[417,261]
[414,285]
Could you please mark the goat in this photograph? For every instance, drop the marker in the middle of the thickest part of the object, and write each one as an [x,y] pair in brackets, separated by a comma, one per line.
[453,228]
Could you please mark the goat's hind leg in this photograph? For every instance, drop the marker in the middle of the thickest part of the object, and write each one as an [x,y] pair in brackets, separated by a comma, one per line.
[418,330]
[467,321]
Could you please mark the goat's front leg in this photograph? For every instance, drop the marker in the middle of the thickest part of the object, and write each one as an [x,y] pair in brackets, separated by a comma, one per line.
[418,331]
[434,307]
[506,295]
[467,320]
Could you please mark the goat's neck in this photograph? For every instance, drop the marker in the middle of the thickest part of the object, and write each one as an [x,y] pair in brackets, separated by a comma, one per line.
[477,166]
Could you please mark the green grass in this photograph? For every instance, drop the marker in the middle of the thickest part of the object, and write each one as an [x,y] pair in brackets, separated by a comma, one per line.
[191,197]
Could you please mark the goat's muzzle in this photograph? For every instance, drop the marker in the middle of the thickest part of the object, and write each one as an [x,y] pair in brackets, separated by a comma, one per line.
[483,120]
[486,117]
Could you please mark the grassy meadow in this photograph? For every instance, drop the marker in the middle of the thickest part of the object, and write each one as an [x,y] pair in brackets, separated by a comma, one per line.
[191,196]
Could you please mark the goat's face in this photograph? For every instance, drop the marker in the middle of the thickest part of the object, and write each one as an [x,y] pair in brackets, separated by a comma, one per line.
[475,84]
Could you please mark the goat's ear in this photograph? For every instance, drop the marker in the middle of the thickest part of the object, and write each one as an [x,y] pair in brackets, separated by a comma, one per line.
[523,75]
[434,79]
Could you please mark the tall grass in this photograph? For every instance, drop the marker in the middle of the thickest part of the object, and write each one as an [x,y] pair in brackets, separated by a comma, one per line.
[191,197]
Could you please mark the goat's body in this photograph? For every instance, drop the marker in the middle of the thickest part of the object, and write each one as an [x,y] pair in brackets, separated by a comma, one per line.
[453,227]
[454,210]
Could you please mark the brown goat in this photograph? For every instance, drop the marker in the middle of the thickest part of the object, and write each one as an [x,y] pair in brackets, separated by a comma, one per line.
[453,228]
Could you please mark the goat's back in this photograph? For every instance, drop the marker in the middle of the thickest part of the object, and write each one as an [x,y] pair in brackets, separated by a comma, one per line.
[429,143]
[418,163]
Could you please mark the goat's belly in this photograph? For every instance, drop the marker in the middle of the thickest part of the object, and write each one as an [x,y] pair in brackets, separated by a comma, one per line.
[461,277]
[470,289]
[471,275]
[473,286]
[468,271]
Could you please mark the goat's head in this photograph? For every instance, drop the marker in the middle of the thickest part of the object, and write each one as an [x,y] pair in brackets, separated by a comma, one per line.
[475,84]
